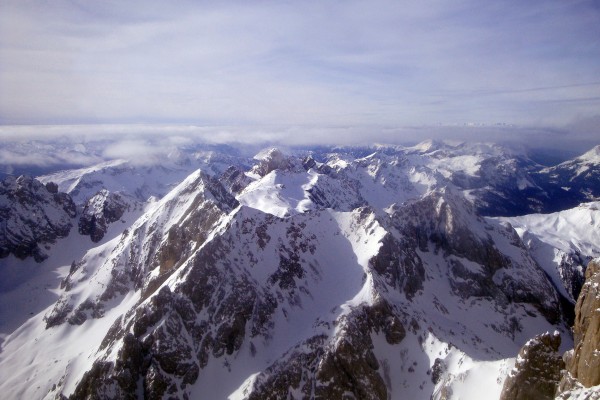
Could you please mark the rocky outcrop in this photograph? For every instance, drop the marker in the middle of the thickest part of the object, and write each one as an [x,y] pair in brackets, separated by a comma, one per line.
[31,216]
[162,349]
[583,362]
[585,365]
[444,222]
[101,210]
[537,370]
[272,159]
[155,246]
[340,367]
[234,179]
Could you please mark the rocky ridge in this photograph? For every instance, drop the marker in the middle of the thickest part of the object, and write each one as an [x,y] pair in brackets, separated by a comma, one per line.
[101,210]
[32,215]
[259,274]
[361,274]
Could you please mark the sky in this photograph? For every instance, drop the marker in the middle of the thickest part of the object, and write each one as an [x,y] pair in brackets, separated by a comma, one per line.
[346,67]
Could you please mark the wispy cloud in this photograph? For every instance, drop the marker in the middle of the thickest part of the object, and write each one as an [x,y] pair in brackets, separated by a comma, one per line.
[299,63]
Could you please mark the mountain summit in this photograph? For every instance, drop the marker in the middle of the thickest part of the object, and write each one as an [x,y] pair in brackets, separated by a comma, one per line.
[371,273]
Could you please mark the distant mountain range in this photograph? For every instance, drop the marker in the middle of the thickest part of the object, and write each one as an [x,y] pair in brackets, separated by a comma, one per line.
[382,272]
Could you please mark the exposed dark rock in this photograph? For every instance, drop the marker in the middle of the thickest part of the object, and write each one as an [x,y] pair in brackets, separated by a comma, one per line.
[585,366]
[583,362]
[400,266]
[437,370]
[209,202]
[32,215]
[308,162]
[273,159]
[160,330]
[52,187]
[537,370]
[101,210]
[346,367]
[444,222]
[59,314]
[234,179]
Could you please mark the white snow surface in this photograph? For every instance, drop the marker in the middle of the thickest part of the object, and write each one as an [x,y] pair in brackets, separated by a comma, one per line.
[592,156]
[556,237]
[32,358]
[576,229]
[471,336]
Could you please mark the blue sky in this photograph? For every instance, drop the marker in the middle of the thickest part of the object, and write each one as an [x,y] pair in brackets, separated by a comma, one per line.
[375,64]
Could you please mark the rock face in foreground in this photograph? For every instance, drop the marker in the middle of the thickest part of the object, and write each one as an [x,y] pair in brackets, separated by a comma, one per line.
[585,365]
[31,215]
[537,370]
[583,362]
[537,373]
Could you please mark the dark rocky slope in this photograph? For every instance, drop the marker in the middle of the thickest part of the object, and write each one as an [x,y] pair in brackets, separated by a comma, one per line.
[32,215]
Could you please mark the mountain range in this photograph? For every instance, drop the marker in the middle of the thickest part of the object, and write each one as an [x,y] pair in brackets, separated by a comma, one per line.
[436,271]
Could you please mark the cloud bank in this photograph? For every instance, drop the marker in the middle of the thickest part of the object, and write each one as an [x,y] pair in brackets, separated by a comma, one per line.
[152,140]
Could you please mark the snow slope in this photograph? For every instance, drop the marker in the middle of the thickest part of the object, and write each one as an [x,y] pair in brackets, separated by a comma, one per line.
[562,243]
[376,260]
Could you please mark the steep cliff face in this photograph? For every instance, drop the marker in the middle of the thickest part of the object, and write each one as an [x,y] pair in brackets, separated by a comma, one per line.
[583,362]
[101,210]
[144,256]
[321,304]
[32,215]
[370,277]
[540,373]
[537,370]
[476,252]
[585,365]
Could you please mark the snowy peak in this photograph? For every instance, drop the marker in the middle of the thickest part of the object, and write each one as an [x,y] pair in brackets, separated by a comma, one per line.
[145,255]
[485,259]
[573,182]
[498,180]
[139,181]
[273,159]
[591,157]
[563,243]
[364,272]
[255,296]
[585,163]
[427,146]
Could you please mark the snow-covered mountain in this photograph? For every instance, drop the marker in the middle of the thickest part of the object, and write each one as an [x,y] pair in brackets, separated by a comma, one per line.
[32,215]
[563,242]
[574,181]
[323,273]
